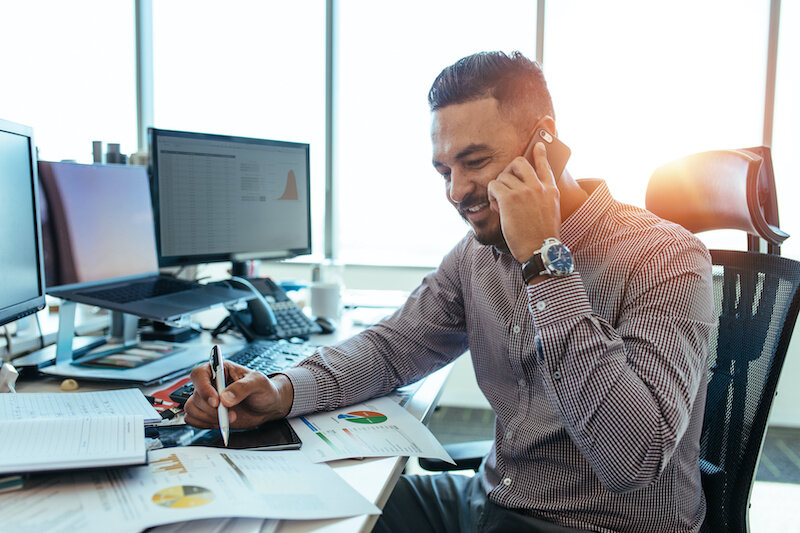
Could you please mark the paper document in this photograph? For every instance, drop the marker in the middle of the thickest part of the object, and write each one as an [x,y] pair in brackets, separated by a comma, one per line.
[181,484]
[65,443]
[377,428]
[32,405]
[220,525]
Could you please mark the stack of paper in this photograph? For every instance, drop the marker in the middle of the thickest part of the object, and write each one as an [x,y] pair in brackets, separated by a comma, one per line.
[182,484]
[201,489]
[65,431]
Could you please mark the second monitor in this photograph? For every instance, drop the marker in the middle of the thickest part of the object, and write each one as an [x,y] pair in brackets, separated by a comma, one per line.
[224,198]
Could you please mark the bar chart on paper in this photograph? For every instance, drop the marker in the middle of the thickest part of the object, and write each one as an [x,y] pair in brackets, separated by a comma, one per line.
[170,465]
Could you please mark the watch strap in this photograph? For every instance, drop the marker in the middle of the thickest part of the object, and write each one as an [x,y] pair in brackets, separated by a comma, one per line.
[533,267]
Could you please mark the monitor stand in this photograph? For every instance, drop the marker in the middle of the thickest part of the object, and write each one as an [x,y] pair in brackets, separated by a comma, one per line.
[141,364]
[68,347]
[47,355]
[245,269]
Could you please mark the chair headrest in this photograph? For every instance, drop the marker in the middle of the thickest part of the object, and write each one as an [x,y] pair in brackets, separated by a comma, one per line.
[719,189]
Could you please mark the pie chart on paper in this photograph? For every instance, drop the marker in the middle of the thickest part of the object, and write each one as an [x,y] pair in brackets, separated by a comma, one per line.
[363,417]
[183,497]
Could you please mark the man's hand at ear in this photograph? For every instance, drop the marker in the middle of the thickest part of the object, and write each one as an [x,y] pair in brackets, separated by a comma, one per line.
[528,201]
[251,397]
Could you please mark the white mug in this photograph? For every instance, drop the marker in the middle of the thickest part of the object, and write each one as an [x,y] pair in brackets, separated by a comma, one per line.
[326,300]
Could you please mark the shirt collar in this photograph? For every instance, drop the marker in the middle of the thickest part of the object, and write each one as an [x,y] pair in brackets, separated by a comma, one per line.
[585,217]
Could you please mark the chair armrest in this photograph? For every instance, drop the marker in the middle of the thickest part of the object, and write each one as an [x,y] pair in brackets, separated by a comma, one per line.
[467,455]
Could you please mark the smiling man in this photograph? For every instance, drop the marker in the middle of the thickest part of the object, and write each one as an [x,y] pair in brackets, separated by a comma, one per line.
[587,322]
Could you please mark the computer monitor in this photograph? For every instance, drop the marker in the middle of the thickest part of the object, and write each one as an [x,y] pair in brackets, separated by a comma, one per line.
[21,265]
[223,198]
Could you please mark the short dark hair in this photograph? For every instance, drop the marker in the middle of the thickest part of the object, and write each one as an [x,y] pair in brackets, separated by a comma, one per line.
[514,80]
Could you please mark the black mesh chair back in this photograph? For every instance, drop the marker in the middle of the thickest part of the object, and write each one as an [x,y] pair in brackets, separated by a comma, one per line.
[756,296]
[757,299]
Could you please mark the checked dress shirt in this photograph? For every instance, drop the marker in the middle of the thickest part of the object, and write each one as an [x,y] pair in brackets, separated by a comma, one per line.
[596,378]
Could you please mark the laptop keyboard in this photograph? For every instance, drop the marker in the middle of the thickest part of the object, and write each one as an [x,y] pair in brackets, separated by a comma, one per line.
[140,290]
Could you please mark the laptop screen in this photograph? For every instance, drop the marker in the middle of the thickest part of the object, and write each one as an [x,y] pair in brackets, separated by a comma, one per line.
[98,223]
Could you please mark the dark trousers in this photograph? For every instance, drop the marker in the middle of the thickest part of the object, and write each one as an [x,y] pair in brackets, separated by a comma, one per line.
[447,503]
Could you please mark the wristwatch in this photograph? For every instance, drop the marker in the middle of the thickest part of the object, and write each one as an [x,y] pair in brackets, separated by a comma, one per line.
[552,259]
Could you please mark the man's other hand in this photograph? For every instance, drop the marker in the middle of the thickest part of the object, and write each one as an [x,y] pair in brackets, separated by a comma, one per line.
[251,397]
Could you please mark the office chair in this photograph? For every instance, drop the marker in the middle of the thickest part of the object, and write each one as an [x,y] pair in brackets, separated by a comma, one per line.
[756,297]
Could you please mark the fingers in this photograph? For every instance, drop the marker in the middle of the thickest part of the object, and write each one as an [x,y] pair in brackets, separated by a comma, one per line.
[249,383]
[199,414]
[201,407]
[203,384]
[542,165]
[235,372]
[535,170]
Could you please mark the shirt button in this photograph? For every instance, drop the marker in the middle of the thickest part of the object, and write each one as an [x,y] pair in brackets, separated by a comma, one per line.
[521,382]
[507,481]
[516,329]
[556,375]
[541,306]
[508,434]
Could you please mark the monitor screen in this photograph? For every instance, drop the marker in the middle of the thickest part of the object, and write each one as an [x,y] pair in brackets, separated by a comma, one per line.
[223,198]
[97,222]
[21,270]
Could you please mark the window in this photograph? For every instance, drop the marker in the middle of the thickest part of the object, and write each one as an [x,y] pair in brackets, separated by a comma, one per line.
[252,69]
[676,78]
[69,72]
[391,204]
[786,136]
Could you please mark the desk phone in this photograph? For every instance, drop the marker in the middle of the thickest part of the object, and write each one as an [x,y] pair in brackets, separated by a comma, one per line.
[276,317]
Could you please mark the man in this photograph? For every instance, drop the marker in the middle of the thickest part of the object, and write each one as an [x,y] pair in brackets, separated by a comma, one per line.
[596,376]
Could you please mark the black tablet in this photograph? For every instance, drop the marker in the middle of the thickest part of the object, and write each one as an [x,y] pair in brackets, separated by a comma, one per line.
[275,435]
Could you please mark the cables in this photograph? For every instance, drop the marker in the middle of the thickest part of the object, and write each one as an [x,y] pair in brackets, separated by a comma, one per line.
[7,335]
[39,327]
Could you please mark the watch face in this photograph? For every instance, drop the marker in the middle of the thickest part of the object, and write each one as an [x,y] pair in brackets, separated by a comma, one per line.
[559,259]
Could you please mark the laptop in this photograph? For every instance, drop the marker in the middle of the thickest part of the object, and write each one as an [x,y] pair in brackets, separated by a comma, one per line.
[100,246]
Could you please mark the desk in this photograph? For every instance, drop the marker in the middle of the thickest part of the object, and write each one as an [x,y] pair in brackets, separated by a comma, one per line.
[373,478]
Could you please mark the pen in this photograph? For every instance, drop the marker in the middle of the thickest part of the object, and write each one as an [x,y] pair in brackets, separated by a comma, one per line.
[218,373]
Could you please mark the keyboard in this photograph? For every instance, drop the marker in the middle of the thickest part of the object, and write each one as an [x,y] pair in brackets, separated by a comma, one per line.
[262,356]
[141,290]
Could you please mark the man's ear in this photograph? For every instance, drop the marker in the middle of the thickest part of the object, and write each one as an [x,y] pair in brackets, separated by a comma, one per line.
[547,122]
